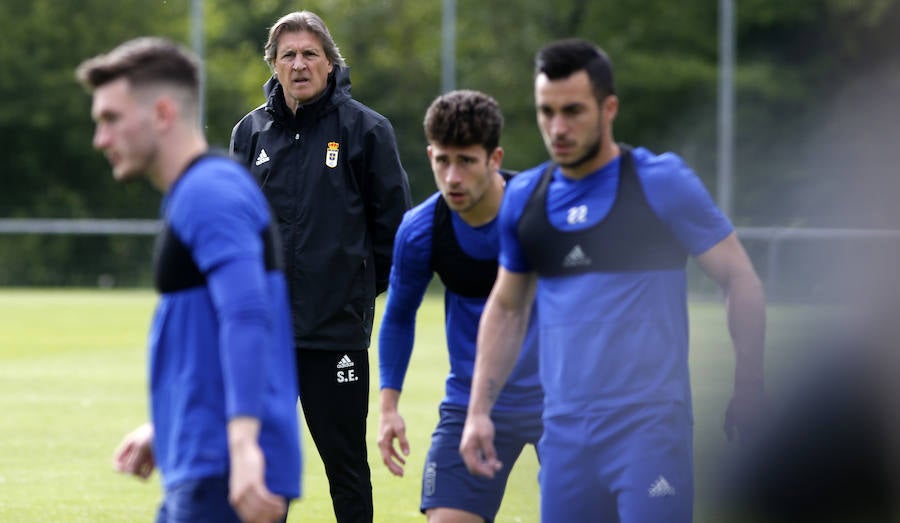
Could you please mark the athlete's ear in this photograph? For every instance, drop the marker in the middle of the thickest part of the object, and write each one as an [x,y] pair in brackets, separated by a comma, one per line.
[611,107]
[429,151]
[165,111]
[495,159]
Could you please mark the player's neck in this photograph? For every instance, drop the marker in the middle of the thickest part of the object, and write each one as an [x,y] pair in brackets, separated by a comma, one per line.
[608,151]
[176,152]
[486,209]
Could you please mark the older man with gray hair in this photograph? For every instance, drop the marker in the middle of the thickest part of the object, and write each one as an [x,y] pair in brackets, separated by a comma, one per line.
[330,169]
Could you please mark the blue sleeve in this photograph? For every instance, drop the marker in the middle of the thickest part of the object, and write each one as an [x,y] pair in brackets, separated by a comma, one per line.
[679,197]
[410,274]
[237,288]
[220,215]
[518,191]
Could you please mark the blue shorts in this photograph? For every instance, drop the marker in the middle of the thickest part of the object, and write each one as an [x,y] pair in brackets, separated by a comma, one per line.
[446,483]
[628,465]
[202,500]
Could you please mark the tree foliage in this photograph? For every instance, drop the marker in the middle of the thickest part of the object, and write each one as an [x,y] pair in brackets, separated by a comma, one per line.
[799,64]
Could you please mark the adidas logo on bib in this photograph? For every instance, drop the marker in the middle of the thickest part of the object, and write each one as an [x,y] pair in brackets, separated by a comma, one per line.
[576,258]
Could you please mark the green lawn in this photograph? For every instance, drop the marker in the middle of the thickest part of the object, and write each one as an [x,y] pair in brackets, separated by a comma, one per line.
[72,382]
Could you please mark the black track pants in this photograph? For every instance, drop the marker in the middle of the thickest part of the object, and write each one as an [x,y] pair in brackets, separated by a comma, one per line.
[334,394]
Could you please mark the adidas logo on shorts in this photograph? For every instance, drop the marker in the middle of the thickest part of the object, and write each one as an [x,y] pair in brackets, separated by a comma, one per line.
[660,488]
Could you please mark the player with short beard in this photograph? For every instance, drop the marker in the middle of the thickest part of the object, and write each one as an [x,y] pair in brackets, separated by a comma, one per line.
[601,236]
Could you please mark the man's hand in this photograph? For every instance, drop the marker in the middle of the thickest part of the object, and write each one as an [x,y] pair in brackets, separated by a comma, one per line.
[477,446]
[134,455]
[392,427]
[745,413]
[247,491]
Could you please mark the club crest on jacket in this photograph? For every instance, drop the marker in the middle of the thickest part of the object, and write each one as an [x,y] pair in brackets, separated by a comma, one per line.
[331,155]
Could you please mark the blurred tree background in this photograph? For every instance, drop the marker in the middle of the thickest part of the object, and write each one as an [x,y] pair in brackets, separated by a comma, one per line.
[816,89]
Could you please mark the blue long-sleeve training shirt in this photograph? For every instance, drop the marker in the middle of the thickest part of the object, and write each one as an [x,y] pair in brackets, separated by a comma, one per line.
[221,346]
[410,275]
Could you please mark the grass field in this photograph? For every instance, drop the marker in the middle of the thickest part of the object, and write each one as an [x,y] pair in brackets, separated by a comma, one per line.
[72,382]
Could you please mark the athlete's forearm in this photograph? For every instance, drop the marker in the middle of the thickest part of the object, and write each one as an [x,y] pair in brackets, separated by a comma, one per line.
[728,264]
[746,316]
[245,333]
[242,430]
[390,399]
[396,337]
[500,335]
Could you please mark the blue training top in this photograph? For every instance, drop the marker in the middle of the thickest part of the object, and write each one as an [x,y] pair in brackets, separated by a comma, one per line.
[613,337]
[411,273]
[222,347]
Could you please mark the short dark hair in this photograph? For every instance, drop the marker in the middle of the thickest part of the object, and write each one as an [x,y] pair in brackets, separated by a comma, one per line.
[462,118]
[144,61]
[562,58]
[303,21]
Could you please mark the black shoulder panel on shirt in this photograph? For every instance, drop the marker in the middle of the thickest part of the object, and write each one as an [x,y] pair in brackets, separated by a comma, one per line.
[174,268]
[630,238]
[460,273]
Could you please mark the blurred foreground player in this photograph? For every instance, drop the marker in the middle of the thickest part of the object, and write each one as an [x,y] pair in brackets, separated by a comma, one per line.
[831,451]
[224,428]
